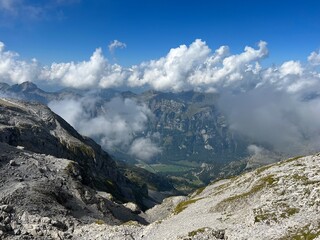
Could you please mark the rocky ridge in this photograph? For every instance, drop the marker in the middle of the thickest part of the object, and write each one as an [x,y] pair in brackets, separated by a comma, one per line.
[48,170]
[279,201]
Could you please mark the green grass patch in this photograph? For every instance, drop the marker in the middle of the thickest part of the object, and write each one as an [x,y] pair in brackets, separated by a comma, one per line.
[262,169]
[292,159]
[199,191]
[196,232]
[183,205]
[265,217]
[304,233]
[99,222]
[69,168]
[131,223]
[263,182]
[289,212]
[301,178]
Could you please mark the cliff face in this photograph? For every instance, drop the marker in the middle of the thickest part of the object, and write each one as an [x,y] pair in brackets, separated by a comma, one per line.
[35,128]
[192,128]
[39,130]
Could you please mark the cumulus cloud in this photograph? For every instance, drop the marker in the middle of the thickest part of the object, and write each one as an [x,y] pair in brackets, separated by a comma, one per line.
[291,68]
[115,124]
[314,58]
[183,68]
[116,44]
[276,105]
[95,72]
[13,70]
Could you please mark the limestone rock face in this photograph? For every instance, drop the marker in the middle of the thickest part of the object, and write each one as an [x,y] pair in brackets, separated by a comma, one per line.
[53,179]
[34,127]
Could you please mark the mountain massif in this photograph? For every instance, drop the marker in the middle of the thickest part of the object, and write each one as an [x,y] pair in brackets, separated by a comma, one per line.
[49,169]
[58,184]
[194,138]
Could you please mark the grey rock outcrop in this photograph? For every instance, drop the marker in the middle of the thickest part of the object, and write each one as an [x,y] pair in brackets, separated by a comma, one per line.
[36,128]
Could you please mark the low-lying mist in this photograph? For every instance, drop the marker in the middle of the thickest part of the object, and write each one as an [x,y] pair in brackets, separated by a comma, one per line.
[114,124]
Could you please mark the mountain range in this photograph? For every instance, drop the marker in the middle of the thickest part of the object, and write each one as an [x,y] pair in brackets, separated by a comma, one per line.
[58,184]
[193,143]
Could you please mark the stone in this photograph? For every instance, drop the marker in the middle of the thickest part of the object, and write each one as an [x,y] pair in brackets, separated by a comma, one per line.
[3,227]
[67,235]
[46,220]
[60,225]
[8,227]
[133,207]
[17,231]
[13,163]
[6,208]
[7,220]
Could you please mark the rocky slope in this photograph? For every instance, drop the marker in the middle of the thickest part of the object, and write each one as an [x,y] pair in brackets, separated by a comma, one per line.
[279,201]
[49,170]
[38,129]
[43,197]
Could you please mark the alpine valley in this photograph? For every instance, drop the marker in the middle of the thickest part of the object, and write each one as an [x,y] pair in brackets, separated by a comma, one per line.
[192,141]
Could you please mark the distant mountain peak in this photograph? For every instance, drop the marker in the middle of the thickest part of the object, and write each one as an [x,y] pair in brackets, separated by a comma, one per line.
[25,87]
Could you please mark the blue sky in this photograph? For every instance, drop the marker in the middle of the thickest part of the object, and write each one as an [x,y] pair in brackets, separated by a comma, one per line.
[70,30]
[175,45]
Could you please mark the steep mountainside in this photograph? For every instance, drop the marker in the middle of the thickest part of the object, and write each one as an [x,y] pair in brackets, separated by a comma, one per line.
[192,128]
[39,130]
[44,197]
[279,201]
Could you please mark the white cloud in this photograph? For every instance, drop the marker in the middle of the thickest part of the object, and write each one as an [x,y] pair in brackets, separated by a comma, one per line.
[291,68]
[314,58]
[192,67]
[144,149]
[13,70]
[183,68]
[254,149]
[69,109]
[116,44]
[95,72]
[116,124]
[171,72]
[260,102]
[275,118]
